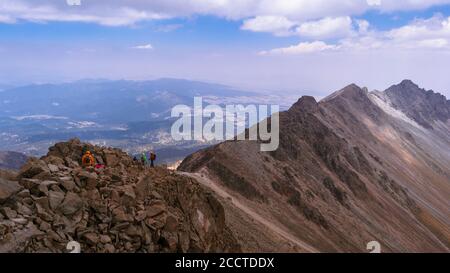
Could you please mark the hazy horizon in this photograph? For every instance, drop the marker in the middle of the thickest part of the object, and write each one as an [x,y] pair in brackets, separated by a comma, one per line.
[318,94]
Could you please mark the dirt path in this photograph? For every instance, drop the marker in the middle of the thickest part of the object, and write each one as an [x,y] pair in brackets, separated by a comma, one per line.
[249,211]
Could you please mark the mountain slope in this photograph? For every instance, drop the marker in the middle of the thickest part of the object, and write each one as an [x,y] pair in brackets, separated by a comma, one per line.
[353,168]
[12,160]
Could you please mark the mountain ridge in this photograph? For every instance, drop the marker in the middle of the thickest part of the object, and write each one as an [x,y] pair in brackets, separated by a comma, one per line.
[347,162]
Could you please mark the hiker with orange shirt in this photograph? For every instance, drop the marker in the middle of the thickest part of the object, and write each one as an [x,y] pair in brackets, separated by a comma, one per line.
[88,160]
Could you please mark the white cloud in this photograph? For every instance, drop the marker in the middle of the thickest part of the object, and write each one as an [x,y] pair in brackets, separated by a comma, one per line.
[7,19]
[277,25]
[119,12]
[434,27]
[421,34]
[363,26]
[301,48]
[392,5]
[433,32]
[326,28]
[434,43]
[146,46]
[47,11]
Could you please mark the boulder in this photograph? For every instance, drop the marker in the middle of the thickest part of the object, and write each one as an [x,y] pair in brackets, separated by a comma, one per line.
[109,248]
[8,189]
[105,239]
[32,168]
[55,198]
[71,204]
[8,212]
[88,180]
[119,215]
[156,209]
[111,159]
[53,168]
[171,223]
[128,196]
[142,188]
[67,183]
[91,238]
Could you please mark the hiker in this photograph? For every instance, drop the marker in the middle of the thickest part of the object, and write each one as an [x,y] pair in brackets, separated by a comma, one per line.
[144,159]
[88,160]
[152,158]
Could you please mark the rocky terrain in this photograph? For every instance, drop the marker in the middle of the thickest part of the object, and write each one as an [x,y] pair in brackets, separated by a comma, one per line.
[123,207]
[356,167]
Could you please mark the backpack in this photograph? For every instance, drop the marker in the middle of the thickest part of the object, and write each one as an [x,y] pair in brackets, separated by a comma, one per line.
[152,156]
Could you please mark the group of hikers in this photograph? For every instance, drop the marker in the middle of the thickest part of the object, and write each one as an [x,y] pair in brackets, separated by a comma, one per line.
[145,159]
[88,159]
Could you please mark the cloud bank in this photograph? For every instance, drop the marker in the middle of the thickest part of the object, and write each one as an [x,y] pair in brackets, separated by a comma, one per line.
[122,13]
[432,33]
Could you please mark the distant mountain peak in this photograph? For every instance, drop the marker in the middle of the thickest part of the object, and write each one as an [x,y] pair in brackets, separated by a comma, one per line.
[408,83]
[405,89]
[306,103]
[351,91]
[423,106]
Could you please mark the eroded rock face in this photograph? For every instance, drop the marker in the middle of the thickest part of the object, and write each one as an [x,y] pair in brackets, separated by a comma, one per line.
[124,208]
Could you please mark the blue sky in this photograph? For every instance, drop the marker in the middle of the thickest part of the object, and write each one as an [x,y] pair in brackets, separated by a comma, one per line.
[305,46]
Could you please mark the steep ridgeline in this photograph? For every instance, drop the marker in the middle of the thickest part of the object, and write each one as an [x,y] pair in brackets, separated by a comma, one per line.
[356,167]
[121,208]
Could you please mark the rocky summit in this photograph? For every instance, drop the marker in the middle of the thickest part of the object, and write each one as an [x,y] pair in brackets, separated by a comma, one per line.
[123,207]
